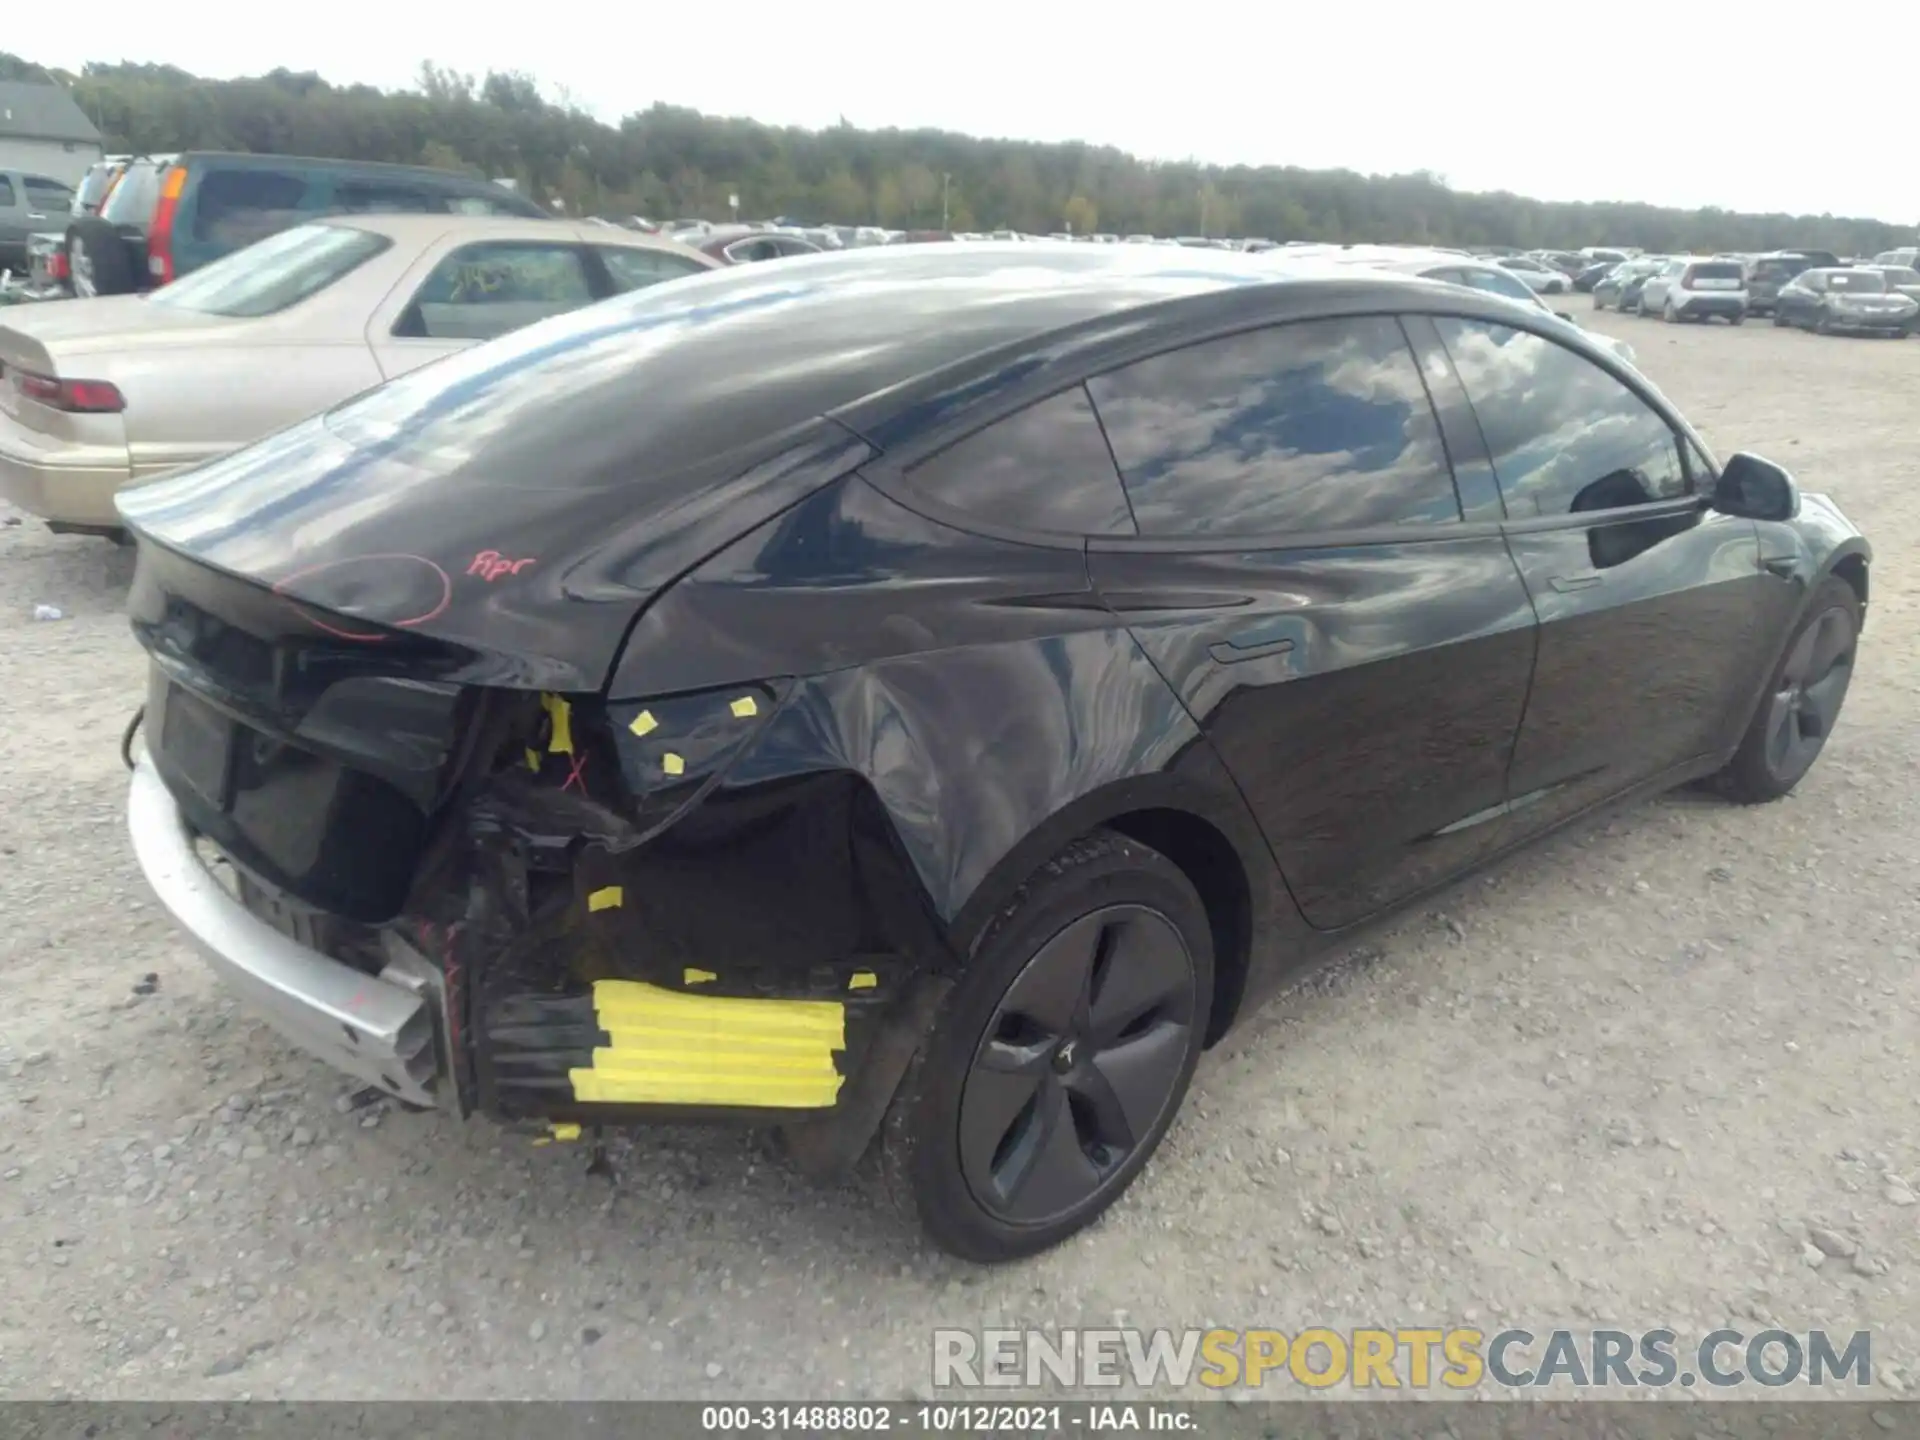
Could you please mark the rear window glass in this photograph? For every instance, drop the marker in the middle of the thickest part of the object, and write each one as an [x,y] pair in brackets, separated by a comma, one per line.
[133,199]
[1871,281]
[280,271]
[1716,270]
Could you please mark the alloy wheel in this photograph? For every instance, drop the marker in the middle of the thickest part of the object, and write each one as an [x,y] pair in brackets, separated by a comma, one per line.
[1078,1064]
[1806,702]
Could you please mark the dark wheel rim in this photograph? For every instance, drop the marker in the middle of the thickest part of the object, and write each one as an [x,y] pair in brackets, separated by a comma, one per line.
[1805,704]
[1078,1065]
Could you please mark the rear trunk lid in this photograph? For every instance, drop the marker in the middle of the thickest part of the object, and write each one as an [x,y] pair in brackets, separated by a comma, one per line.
[105,325]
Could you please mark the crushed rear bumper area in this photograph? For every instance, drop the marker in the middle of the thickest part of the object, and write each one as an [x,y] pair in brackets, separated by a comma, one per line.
[379,1029]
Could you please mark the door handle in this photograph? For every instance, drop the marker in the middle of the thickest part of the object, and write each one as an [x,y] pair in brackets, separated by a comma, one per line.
[1782,565]
[1567,584]
[1227,652]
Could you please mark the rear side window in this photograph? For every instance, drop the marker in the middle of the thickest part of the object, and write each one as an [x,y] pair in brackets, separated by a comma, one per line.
[631,267]
[373,197]
[1043,468]
[6,191]
[1321,425]
[466,203]
[1565,436]
[43,194]
[232,208]
[483,291]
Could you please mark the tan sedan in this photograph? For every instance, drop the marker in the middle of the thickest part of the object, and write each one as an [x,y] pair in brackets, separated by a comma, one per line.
[103,393]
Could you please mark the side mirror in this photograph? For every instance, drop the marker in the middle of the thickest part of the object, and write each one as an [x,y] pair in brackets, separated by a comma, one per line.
[1755,489]
[1566,317]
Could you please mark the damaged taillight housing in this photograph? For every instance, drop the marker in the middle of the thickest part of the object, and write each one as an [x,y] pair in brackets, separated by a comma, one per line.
[675,748]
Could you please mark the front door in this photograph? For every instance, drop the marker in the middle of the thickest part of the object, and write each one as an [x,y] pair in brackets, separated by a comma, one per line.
[1355,650]
[1654,610]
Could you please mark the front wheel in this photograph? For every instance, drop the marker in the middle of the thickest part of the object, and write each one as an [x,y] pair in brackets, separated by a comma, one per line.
[1736,319]
[1670,315]
[1057,1061]
[1802,702]
[1779,320]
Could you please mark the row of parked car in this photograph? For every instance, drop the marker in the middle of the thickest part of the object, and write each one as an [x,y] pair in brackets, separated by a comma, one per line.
[1810,290]
[224,296]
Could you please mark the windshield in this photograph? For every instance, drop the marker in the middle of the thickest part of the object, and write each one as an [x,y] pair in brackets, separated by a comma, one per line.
[1857,282]
[269,276]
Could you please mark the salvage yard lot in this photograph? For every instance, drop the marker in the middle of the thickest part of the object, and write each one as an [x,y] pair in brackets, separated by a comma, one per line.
[1612,1084]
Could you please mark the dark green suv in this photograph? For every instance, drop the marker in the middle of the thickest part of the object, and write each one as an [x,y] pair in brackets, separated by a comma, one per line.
[168,216]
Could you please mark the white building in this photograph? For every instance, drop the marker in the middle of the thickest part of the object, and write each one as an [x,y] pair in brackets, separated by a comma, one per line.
[42,132]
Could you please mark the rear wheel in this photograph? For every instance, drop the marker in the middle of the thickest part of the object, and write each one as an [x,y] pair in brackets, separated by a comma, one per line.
[1670,315]
[1802,702]
[99,259]
[1058,1060]
[1779,321]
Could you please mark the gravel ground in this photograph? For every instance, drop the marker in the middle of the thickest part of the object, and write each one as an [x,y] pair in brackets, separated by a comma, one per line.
[1620,1081]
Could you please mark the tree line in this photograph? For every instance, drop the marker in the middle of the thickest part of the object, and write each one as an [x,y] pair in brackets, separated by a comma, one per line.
[668,162]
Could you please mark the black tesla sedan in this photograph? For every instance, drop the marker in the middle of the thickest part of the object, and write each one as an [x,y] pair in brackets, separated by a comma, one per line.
[924,696]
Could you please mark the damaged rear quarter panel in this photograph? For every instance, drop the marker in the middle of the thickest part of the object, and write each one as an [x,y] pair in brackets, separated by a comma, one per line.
[974,687]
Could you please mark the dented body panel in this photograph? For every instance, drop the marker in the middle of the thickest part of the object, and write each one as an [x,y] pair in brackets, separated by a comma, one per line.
[612,690]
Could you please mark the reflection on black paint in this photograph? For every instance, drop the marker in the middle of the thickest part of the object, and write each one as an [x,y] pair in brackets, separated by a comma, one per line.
[1556,423]
[1046,467]
[1322,425]
[1616,544]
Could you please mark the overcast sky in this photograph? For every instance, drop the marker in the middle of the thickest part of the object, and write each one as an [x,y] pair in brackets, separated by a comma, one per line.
[1686,104]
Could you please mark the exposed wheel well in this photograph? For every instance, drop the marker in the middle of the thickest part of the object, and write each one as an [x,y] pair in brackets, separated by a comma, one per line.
[1853,570]
[1209,861]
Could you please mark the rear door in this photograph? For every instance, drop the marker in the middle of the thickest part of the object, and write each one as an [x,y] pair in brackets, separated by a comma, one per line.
[1654,611]
[480,291]
[1356,650]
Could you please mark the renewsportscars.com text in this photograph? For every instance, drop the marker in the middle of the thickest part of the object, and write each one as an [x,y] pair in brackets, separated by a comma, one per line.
[1402,1358]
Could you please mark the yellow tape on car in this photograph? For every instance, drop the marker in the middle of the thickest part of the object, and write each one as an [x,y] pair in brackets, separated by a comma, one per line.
[667,1047]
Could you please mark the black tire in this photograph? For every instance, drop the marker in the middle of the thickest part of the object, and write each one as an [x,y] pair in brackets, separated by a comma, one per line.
[1821,325]
[98,249]
[1796,715]
[1779,321]
[1736,319]
[1001,1139]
